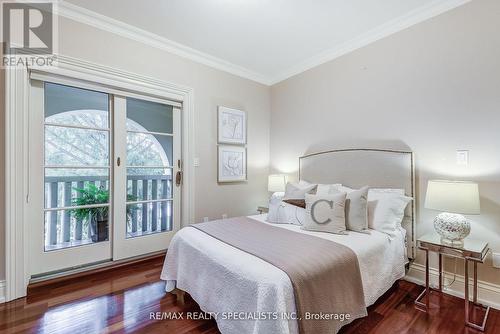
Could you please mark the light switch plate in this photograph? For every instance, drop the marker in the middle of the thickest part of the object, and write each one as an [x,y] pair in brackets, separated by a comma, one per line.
[496,260]
[462,157]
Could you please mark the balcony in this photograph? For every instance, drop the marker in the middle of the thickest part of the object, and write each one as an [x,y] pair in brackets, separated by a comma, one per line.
[147,210]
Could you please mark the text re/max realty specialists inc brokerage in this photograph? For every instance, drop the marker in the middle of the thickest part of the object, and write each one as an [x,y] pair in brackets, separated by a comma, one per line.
[246,316]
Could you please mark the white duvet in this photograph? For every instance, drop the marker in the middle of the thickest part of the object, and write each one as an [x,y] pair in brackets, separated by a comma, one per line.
[231,283]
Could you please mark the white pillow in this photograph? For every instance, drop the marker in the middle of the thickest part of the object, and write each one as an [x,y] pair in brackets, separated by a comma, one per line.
[274,207]
[284,213]
[386,209]
[333,189]
[292,214]
[356,208]
[298,190]
[344,189]
[325,213]
[325,189]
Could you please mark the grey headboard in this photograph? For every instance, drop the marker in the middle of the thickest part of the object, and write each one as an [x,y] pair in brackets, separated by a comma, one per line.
[356,168]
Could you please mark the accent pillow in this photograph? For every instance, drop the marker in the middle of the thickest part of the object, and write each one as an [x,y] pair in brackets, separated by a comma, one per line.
[386,209]
[298,190]
[301,203]
[356,209]
[325,213]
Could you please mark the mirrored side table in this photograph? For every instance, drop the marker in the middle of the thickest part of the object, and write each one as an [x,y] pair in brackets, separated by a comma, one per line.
[472,251]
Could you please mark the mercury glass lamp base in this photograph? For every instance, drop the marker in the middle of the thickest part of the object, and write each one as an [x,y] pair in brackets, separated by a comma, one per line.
[453,243]
[453,228]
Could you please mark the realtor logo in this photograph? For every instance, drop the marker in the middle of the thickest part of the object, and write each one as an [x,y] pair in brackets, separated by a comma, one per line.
[28,29]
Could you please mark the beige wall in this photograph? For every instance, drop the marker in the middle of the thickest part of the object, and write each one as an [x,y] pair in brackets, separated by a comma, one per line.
[434,86]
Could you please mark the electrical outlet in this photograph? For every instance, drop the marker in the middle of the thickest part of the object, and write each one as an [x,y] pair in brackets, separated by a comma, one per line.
[496,260]
[462,157]
[224,216]
[205,219]
[196,162]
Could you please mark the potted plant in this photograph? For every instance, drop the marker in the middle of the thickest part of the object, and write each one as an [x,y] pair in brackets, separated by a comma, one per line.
[97,217]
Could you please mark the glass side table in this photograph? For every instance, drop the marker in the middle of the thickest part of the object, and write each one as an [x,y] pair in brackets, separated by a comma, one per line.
[472,251]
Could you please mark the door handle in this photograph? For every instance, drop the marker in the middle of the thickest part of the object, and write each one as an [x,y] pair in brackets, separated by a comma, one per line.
[178,178]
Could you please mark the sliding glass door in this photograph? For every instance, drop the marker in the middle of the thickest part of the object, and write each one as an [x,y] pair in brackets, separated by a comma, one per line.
[147,197]
[101,176]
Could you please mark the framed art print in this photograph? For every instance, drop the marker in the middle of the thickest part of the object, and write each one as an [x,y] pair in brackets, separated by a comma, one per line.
[232,126]
[232,163]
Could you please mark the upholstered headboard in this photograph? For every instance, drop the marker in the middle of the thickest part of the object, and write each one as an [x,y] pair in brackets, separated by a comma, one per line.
[356,168]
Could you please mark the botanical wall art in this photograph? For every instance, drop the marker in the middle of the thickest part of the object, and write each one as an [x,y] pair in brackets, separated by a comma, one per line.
[232,158]
[232,163]
[232,126]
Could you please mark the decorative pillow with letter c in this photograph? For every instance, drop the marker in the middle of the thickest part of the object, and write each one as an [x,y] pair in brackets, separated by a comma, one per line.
[325,213]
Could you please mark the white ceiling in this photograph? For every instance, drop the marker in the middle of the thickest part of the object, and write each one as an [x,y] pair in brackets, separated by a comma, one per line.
[266,40]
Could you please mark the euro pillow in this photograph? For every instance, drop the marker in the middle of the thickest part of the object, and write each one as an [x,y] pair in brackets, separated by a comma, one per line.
[386,209]
[325,213]
[298,190]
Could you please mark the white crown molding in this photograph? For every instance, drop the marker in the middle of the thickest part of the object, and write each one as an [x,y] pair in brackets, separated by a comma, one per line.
[415,16]
[106,23]
[117,27]
[488,293]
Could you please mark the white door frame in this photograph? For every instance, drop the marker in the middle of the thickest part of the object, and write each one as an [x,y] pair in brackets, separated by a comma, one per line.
[17,87]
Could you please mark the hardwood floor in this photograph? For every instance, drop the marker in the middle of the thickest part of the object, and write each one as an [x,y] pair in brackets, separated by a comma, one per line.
[121,301]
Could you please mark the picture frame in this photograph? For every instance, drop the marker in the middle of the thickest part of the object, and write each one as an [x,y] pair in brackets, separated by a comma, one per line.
[231,126]
[232,163]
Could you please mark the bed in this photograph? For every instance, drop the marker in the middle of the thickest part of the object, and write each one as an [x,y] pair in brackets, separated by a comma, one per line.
[233,284]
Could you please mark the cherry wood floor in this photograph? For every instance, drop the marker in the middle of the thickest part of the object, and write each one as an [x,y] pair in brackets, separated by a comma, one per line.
[120,301]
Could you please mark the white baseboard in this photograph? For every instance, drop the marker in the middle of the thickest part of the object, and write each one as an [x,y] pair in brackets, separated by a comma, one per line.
[487,293]
[2,292]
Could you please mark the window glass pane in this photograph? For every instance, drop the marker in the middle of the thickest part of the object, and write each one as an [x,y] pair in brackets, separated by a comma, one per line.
[67,145]
[148,218]
[69,187]
[70,228]
[76,106]
[149,116]
[76,147]
[149,184]
[149,150]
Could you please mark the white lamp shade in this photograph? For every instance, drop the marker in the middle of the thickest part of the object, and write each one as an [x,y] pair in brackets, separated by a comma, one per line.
[276,182]
[453,196]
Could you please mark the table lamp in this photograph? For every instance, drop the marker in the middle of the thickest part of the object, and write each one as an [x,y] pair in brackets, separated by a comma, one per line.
[454,198]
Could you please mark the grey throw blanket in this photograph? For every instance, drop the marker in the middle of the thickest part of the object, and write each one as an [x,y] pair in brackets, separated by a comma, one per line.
[325,275]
